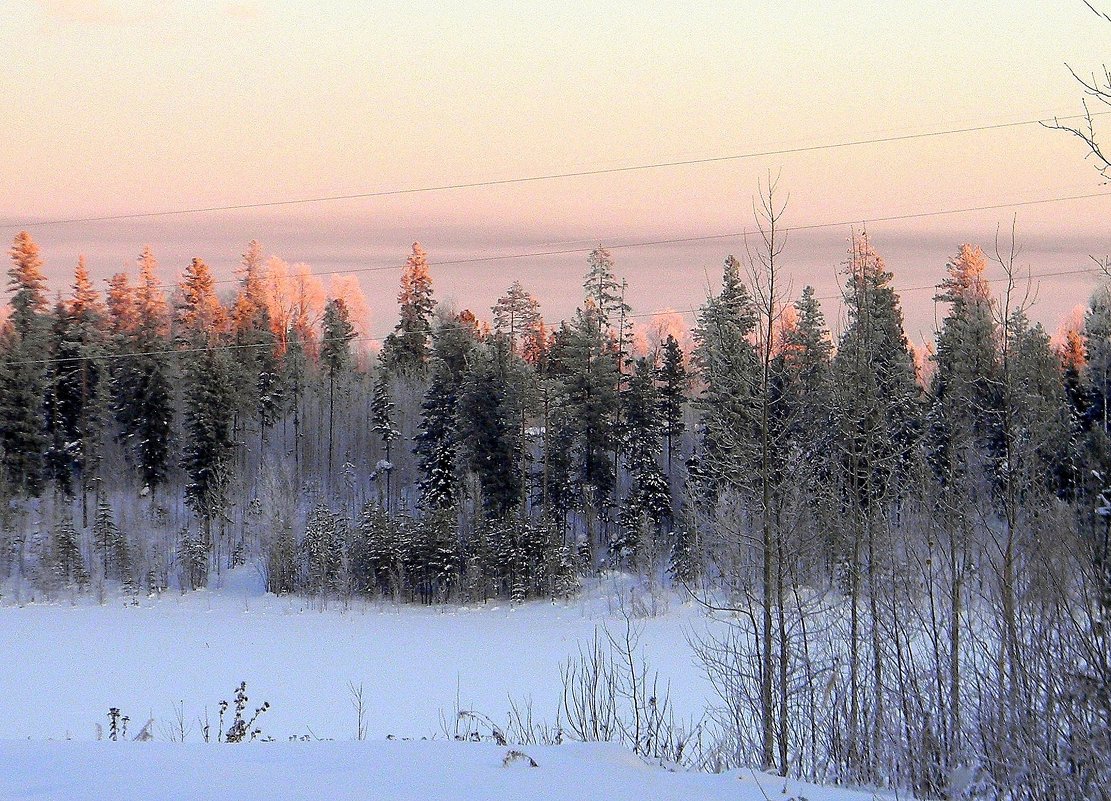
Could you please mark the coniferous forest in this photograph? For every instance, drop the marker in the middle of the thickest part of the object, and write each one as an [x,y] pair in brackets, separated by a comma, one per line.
[915,555]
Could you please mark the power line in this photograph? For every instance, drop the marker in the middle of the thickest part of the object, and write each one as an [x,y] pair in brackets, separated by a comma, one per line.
[848,143]
[702,237]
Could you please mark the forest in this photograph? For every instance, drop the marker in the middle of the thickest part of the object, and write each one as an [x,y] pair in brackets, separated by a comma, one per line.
[914,554]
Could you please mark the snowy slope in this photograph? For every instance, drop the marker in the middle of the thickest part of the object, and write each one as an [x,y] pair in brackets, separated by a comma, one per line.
[335,771]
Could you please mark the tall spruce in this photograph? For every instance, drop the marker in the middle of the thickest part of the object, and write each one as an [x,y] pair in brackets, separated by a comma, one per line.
[23,437]
[209,398]
[335,356]
[143,396]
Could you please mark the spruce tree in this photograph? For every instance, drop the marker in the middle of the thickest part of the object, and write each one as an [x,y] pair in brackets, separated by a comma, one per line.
[111,545]
[209,397]
[587,409]
[965,388]
[648,504]
[76,371]
[673,393]
[67,564]
[143,392]
[488,414]
[726,361]
[23,344]
[335,355]
[437,440]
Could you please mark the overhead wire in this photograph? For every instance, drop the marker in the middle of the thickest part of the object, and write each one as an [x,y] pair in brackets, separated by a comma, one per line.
[494,182]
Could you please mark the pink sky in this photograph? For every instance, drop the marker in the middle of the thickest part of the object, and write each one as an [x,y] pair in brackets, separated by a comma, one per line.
[123,108]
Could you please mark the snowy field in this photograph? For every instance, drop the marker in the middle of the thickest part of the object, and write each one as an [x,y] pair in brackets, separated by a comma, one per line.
[398,771]
[172,659]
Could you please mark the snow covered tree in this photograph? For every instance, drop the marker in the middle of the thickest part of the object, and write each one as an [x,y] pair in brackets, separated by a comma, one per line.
[648,504]
[110,544]
[209,397]
[605,298]
[587,410]
[382,413]
[437,440]
[201,318]
[259,375]
[66,562]
[322,551]
[209,404]
[965,385]
[878,406]
[875,421]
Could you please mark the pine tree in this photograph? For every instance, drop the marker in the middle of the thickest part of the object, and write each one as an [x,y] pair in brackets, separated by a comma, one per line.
[406,350]
[517,316]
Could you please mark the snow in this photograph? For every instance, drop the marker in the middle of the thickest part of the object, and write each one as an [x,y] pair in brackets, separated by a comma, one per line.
[400,771]
[66,662]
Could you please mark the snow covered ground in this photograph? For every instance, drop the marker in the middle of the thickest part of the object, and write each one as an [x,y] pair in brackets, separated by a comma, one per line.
[336,771]
[65,663]
[172,659]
